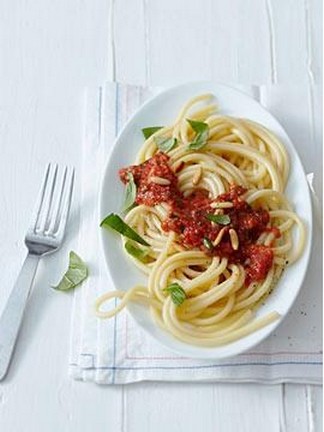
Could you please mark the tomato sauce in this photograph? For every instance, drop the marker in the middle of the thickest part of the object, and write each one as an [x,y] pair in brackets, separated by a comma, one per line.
[150,193]
[187,217]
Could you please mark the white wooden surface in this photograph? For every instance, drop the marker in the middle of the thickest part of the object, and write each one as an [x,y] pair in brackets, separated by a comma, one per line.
[49,52]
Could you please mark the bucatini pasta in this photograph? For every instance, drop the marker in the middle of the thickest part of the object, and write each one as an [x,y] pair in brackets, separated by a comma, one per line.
[208,223]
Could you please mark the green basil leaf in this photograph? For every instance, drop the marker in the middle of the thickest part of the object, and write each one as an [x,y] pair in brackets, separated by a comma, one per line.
[76,273]
[219,219]
[136,252]
[202,130]
[130,193]
[165,144]
[177,293]
[199,142]
[198,126]
[207,243]
[149,131]
[116,223]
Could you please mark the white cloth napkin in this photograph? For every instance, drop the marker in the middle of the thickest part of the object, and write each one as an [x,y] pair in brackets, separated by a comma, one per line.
[117,351]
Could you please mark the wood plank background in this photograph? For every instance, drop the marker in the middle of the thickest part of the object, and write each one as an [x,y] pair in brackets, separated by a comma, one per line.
[49,52]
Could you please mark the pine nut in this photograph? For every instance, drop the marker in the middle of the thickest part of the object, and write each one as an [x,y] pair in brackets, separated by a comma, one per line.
[220,205]
[234,239]
[160,181]
[197,176]
[219,237]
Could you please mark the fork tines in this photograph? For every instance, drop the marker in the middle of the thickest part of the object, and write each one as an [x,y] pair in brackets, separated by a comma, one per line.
[53,204]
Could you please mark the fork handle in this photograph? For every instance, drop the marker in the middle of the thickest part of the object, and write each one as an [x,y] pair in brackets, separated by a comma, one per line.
[12,315]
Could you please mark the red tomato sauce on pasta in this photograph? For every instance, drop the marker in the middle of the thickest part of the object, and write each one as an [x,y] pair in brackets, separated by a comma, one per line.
[187,217]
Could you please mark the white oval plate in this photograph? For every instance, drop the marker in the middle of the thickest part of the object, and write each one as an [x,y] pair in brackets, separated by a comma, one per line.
[162,110]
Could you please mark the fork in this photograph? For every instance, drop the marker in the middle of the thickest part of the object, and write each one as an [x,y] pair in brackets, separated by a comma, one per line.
[45,235]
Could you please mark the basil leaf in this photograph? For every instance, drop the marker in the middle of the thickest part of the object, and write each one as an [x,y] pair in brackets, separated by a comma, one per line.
[149,131]
[178,294]
[198,126]
[75,274]
[136,252]
[207,243]
[166,144]
[116,223]
[199,142]
[219,219]
[202,130]
[130,193]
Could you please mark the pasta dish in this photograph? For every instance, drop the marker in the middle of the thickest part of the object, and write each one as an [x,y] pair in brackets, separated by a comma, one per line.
[206,219]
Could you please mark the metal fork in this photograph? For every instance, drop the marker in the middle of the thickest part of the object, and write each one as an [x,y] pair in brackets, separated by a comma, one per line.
[45,235]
